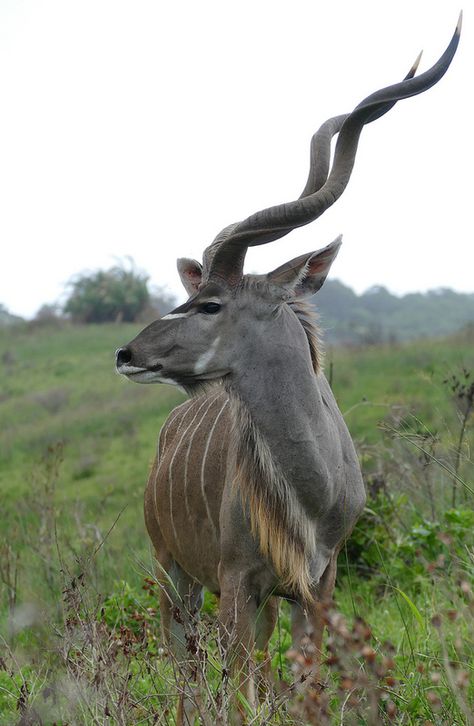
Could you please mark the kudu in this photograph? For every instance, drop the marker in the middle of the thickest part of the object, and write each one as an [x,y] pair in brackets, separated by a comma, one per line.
[256,483]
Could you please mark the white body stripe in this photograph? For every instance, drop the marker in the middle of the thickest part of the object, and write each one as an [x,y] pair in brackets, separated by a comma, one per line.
[170,420]
[160,462]
[203,465]
[190,409]
[170,472]
[190,443]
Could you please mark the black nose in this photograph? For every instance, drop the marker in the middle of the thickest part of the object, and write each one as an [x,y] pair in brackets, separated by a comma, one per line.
[123,356]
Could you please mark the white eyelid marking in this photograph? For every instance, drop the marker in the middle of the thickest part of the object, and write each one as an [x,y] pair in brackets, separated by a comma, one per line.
[205,358]
[172,316]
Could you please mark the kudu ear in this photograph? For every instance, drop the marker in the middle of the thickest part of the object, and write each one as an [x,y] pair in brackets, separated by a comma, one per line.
[304,275]
[190,272]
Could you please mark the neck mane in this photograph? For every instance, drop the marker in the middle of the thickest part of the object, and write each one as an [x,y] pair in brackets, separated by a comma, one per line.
[308,318]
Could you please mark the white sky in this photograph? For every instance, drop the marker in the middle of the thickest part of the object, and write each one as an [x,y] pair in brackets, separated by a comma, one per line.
[142,128]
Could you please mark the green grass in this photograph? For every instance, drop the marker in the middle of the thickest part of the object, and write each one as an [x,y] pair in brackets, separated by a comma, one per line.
[76,444]
[59,385]
[371,383]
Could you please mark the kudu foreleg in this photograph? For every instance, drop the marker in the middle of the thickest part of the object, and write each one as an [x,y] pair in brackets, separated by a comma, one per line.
[180,601]
[237,618]
[308,624]
[267,617]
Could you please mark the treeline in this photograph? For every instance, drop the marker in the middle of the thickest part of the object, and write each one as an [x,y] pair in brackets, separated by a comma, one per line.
[377,316]
[119,294]
[122,294]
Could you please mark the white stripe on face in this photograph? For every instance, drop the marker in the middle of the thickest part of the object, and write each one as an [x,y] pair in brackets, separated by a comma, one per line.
[173,316]
[203,360]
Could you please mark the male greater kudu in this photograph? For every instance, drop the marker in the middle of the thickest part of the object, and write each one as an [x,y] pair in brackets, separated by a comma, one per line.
[257,483]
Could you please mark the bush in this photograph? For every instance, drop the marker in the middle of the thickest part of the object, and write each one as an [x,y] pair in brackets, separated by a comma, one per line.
[113,295]
[379,545]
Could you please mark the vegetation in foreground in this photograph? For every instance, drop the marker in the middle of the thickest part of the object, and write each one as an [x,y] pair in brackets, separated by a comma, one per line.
[79,627]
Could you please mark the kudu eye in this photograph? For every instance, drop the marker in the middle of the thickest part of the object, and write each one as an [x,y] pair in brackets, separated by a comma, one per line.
[210,308]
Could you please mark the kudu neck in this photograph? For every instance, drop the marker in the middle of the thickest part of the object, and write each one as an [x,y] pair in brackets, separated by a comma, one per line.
[276,384]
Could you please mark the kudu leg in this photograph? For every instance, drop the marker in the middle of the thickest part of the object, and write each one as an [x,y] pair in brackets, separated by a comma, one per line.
[181,598]
[237,619]
[266,620]
[307,624]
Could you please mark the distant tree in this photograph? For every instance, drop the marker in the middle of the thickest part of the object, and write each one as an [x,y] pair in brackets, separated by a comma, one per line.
[113,295]
[336,299]
[7,318]
[379,300]
[48,314]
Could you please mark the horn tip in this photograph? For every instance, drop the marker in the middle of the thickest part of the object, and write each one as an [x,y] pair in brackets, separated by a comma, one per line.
[416,63]
[459,25]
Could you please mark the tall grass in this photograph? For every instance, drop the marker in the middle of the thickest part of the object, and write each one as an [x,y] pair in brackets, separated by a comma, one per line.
[80,641]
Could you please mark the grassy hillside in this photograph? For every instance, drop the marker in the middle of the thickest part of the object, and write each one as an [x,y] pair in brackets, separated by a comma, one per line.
[374,383]
[59,385]
[76,444]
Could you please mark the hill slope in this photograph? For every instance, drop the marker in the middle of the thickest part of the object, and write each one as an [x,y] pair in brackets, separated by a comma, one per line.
[377,316]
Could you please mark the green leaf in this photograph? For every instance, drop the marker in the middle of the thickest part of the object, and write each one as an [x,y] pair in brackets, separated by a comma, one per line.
[412,607]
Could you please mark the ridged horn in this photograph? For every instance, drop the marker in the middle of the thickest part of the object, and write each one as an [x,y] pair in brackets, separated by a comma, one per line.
[224,259]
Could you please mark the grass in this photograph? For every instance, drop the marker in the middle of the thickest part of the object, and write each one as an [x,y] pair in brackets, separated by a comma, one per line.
[78,617]
[59,387]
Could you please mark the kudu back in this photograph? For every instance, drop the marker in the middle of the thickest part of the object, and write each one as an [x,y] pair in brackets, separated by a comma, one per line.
[256,483]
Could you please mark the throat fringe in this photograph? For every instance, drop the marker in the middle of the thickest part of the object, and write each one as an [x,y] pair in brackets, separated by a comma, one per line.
[278,521]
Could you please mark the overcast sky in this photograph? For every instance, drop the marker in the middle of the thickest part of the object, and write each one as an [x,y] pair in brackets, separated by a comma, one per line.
[143,128]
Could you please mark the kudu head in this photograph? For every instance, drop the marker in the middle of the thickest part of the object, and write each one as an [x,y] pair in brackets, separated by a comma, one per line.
[200,340]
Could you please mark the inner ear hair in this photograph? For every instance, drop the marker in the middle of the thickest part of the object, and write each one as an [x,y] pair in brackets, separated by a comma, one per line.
[305,274]
[190,272]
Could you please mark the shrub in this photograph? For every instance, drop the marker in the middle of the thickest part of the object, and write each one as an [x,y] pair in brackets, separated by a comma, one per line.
[379,545]
[113,295]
